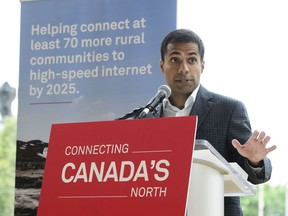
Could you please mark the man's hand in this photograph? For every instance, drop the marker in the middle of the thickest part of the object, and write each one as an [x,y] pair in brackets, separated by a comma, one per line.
[254,149]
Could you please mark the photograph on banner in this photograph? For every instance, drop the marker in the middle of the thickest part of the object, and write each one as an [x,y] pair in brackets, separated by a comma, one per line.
[82,61]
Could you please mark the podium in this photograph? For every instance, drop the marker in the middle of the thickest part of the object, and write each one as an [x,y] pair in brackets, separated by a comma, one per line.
[136,167]
[124,168]
[213,178]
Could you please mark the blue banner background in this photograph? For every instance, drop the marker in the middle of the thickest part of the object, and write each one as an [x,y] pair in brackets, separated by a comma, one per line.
[101,98]
[45,94]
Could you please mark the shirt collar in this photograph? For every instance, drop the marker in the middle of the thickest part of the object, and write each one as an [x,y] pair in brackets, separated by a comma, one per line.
[170,110]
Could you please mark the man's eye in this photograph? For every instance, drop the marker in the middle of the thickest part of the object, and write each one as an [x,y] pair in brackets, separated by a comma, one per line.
[192,60]
[174,60]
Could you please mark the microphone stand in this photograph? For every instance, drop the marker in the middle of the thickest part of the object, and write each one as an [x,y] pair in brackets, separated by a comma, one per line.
[133,114]
[137,113]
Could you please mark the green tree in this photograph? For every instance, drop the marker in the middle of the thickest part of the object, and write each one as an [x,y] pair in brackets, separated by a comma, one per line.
[274,199]
[7,166]
[250,205]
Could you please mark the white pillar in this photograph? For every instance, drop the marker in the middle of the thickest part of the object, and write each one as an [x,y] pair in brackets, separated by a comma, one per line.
[261,200]
[286,199]
[206,193]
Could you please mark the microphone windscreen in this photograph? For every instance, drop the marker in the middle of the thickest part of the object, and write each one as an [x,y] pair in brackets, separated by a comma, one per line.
[166,89]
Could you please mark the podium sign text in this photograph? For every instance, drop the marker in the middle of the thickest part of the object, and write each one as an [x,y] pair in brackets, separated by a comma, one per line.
[124,168]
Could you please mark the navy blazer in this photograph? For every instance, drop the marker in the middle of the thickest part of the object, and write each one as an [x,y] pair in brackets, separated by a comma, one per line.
[221,119]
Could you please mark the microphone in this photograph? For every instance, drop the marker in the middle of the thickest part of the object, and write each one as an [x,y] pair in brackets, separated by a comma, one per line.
[164,91]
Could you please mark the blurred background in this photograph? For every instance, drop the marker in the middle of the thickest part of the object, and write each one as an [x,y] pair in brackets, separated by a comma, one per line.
[246,43]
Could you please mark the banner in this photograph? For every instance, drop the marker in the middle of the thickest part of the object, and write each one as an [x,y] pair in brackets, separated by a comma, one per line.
[119,168]
[82,61]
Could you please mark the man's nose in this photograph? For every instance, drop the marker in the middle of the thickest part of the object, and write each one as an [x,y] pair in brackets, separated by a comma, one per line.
[183,67]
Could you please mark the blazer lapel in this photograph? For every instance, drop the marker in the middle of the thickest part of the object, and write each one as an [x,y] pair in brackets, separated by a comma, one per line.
[202,104]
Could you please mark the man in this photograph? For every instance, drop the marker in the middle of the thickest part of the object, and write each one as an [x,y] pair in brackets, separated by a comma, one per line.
[222,121]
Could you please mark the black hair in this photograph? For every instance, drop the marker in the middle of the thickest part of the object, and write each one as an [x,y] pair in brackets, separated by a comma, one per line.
[182,36]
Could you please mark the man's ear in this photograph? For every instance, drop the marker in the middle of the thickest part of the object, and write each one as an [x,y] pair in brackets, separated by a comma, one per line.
[203,66]
[161,65]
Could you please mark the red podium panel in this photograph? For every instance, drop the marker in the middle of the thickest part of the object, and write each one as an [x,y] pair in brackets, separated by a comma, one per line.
[124,168]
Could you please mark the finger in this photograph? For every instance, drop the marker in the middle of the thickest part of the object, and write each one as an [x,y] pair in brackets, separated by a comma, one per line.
[272,148]
[261,137]
[236,144]
[254,136]
[266,140]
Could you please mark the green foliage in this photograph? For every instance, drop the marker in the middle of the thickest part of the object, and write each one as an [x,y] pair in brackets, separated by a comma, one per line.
[274,199]
[7,166]
[250,205]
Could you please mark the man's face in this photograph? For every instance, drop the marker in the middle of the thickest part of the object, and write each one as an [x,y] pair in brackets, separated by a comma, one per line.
[182,68]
